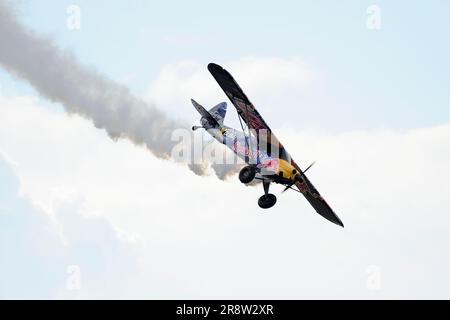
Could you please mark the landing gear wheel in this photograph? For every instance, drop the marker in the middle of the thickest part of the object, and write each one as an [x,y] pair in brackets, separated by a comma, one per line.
[267,201]
[247,174]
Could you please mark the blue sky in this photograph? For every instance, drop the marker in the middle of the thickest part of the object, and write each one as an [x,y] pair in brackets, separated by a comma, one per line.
[394,77]
[371,106]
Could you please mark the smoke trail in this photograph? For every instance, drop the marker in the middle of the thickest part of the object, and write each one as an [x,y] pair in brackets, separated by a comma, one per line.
[57,76]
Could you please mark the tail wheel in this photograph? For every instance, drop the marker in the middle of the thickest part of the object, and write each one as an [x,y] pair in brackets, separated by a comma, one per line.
[247,174]
[267,201]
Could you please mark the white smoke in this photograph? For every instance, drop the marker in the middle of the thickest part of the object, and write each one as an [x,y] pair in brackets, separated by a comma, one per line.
[57,75]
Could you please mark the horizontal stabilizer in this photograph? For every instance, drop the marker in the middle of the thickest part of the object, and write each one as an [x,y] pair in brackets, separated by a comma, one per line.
[206,116]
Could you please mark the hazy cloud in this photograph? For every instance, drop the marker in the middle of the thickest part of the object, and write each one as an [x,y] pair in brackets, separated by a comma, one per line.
[206,238]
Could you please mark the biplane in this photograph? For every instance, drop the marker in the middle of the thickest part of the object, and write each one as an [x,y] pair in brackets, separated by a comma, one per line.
[266,158]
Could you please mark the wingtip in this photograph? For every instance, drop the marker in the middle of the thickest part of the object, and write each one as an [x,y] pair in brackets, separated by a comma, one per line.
[335,220]
[339,223]
[212,66]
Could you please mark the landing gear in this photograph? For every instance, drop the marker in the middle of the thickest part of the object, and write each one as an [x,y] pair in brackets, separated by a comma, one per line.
[247,174]
[267,200]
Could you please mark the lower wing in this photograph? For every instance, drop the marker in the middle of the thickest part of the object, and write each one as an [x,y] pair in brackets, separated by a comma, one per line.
[315,199]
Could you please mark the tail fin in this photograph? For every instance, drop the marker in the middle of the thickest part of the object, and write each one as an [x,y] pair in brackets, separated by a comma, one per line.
[218,112]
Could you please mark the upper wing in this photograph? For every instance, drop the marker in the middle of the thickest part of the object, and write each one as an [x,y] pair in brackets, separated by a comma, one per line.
[315,199]
[247,111]
[243,106]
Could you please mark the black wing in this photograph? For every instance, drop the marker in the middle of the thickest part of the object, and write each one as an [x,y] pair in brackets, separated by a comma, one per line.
[244,107]
[315,199]
[247,111]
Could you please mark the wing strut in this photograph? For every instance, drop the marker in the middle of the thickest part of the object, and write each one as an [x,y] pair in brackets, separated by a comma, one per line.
[246,141]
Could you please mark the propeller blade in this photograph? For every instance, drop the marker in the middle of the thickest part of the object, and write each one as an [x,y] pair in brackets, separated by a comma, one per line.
[289,186]
[309,166]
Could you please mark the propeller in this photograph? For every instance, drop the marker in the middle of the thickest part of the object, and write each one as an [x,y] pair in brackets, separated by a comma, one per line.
[309,166]
[289,187]
[297,178]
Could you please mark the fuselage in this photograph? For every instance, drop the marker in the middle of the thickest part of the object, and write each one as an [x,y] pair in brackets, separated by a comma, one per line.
[271,161]
[247,148]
